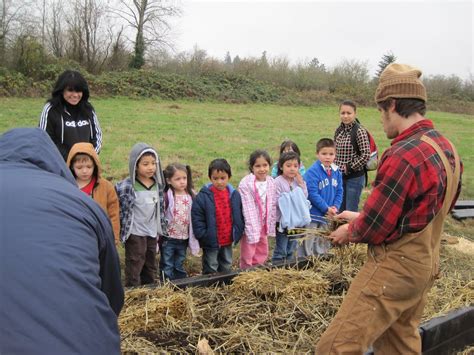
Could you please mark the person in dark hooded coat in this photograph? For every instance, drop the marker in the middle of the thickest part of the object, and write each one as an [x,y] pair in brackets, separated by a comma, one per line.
[60,274]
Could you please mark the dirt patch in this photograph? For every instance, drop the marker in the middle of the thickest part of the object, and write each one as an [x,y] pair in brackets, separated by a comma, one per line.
[225,119]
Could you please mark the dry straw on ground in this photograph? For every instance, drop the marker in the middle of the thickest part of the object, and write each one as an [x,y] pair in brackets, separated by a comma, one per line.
[278,311]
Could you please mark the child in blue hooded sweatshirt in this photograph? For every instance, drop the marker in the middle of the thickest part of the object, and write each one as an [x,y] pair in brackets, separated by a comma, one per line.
[325,191]
[217,218]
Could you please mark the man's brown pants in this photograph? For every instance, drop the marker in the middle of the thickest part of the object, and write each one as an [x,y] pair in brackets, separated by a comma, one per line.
[383,307]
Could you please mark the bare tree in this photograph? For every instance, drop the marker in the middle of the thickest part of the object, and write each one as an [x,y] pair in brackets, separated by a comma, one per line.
[75,48]
[11,16]
[150,20]
[88,41]
[43,23]
[55,32]
[92,14]
[119,56]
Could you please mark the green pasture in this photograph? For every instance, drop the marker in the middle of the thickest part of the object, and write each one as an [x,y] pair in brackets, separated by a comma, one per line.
[197,132]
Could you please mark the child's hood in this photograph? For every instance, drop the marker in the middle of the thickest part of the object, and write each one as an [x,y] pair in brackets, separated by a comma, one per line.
[84,148]
[137,151]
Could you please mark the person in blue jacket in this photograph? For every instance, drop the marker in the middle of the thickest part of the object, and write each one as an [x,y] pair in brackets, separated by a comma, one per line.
[325,191]
[60,272]
[217,218]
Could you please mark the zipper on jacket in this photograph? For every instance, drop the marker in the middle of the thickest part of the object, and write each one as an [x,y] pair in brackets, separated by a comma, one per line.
[62,129]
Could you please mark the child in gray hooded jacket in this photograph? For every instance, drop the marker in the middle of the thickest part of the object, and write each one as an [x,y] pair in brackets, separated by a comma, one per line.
[142,218]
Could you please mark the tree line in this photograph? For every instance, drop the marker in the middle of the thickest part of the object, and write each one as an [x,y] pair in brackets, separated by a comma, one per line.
[97,34]
[40,38]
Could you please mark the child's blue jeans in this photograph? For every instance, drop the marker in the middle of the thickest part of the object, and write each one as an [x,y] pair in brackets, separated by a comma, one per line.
[173,254]
[284,248]
[217,260]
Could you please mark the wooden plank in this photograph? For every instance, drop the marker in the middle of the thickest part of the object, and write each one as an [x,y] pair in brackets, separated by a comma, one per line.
[446,334]
[463,214]
[461,204]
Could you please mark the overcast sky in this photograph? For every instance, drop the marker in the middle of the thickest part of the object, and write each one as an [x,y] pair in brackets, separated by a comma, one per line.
[436,36]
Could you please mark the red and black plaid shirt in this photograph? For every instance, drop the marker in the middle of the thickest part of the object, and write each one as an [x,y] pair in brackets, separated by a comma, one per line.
[408,190]
[347,158]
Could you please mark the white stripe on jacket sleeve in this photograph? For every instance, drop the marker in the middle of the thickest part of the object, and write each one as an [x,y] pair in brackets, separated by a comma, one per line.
[98,132]
[44,116]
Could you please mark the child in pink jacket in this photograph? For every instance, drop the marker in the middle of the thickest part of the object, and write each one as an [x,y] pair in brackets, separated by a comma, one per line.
[257,190]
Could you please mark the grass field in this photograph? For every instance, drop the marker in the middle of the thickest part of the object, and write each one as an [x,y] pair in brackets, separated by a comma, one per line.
[195,133]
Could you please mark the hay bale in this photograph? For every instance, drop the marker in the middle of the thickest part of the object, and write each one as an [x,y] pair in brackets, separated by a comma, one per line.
[274,284]
[154,308]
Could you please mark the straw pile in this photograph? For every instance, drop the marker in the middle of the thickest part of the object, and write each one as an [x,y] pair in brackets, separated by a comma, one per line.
[278,311]
[455,288]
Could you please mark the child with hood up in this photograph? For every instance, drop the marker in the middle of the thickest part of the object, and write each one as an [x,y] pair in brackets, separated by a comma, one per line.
[142,219]
[84,164]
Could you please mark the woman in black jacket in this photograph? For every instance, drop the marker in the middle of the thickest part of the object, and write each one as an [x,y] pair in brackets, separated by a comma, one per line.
[68,117]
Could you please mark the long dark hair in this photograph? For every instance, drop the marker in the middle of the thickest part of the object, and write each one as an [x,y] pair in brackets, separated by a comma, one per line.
[74,80]
[171,169]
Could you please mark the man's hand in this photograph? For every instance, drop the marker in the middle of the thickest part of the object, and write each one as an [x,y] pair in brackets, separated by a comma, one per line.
[347,215]
[341,235]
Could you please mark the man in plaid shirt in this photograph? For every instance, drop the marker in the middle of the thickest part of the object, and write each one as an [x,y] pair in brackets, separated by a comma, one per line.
[417,184]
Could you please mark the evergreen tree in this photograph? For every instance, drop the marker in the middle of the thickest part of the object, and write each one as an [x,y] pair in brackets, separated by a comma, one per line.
[228,59]
[387,59]
[264,60]
[317,65]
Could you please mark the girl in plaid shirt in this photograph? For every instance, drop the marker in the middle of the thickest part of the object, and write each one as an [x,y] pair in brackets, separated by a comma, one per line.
[257,191]
[351,164]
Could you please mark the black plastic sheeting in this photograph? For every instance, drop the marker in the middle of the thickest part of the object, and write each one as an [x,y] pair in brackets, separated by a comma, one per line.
[226,278]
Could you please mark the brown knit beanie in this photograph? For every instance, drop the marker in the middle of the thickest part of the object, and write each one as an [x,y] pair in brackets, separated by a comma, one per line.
[400,81]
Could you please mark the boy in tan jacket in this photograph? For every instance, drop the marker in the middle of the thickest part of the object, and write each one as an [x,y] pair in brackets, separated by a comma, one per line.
[85,167]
